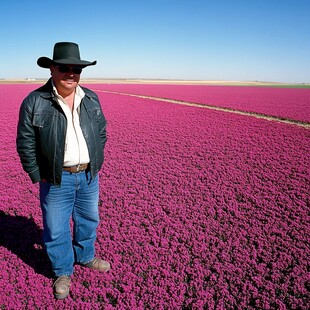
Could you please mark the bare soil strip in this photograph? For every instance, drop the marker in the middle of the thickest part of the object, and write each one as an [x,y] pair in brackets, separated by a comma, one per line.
[211,107]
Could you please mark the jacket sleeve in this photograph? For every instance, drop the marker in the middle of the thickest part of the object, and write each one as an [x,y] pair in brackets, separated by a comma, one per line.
[26,141]
[102,122]
[103,129]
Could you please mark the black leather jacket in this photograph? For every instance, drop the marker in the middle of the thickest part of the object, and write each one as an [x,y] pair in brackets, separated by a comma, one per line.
[41,133]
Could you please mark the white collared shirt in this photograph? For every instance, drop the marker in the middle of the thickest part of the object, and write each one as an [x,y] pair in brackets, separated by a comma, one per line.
[76,151]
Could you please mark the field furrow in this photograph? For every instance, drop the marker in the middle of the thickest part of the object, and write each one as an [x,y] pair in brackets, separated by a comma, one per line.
[288,103]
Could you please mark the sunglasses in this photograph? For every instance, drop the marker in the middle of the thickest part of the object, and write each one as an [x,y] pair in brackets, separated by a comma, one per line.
[66,69]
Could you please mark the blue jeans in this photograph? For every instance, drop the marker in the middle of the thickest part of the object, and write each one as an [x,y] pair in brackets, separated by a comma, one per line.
[76,198]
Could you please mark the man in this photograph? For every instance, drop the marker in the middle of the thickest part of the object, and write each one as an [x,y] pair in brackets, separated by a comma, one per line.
[61,136]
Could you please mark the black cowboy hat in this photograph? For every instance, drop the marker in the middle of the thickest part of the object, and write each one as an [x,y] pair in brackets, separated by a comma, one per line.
[65,53]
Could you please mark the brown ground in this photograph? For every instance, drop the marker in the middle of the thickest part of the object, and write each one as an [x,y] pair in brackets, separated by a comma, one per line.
[150,81]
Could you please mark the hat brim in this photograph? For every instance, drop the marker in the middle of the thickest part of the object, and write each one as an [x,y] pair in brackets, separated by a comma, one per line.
[45,62]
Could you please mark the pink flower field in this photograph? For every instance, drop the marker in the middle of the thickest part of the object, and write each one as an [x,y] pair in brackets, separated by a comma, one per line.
[200,209]
[286,103]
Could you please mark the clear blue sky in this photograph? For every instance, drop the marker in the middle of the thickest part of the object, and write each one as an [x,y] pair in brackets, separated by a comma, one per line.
[247,40]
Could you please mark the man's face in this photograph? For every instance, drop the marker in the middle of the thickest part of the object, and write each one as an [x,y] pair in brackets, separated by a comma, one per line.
[66,78]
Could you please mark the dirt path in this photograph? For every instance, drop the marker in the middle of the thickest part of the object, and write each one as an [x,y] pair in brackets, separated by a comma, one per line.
[211,107]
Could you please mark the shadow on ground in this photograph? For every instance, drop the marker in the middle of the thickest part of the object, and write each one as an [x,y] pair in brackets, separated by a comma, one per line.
[23,237]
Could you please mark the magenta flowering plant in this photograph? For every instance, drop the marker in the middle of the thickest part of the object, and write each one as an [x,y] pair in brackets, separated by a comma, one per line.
[199,209]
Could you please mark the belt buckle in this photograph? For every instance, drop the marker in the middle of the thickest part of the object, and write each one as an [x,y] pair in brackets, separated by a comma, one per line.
[78,167]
